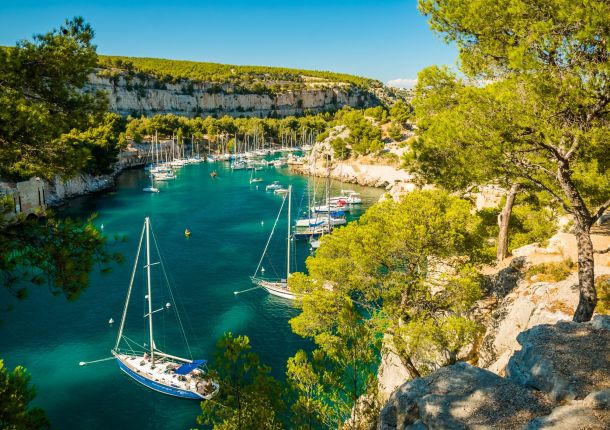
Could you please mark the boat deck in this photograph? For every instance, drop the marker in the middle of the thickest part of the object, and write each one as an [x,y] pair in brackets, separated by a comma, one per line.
[163,373]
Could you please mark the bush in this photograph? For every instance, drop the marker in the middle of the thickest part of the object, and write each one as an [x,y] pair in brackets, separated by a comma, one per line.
[395,132]
[602,284]
[550,272]
[340,149]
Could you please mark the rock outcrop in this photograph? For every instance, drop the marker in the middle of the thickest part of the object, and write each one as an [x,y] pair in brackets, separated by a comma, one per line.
[560,379]
[60,190]
[592,413]
[459,397]
[566,360]
[207,98]
[362,171]
[525,303]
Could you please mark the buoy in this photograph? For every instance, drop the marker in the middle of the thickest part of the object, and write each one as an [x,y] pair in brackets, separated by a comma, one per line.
[263,269]
[262,222]
[102,227]
[110,321]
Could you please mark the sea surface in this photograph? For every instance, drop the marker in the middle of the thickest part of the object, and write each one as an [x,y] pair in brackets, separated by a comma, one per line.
[230,221]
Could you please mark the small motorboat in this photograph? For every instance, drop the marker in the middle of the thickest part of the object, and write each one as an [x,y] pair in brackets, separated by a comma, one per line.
[150,190]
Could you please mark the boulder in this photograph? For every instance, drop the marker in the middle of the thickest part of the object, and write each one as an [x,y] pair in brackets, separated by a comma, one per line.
[567,360]
[601,322]
[592,413]
[462,396]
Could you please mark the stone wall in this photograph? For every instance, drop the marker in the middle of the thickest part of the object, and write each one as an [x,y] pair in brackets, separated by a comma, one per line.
[29,196]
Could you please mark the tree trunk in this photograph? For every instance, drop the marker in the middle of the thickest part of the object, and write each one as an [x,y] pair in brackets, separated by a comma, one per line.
[586,275]
[582,226]
[503,223]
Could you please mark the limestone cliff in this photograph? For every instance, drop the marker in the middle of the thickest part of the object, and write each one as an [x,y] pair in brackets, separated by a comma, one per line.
[145,95]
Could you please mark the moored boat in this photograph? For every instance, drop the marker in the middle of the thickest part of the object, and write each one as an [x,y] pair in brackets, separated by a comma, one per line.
[277,287]
[148,365]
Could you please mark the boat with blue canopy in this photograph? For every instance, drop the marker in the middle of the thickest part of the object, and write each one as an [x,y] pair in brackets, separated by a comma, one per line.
[168,374]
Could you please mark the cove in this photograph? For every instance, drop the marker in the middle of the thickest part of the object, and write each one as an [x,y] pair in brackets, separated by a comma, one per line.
[230,221]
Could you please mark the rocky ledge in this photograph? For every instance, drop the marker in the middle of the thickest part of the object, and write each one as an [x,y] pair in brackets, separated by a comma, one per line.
[560,379]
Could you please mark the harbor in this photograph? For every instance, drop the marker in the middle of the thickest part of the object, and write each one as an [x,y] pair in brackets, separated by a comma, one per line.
[230,220]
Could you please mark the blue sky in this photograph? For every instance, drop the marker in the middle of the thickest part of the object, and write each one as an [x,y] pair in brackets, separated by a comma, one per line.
[386,39]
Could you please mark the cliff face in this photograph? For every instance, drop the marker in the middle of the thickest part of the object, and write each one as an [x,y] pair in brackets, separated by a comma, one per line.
[191,98]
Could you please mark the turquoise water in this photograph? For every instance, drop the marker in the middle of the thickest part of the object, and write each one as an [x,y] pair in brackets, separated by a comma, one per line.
[230,221]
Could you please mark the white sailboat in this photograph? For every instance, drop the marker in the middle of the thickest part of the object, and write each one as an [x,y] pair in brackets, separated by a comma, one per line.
[152,188]
[254,178]
[151,367]
[278,287]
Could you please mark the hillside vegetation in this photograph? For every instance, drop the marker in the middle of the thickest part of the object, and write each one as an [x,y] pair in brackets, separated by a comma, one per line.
[275,79]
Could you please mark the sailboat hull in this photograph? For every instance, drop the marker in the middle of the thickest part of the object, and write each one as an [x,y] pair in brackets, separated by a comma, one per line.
[161,388]
[279,289]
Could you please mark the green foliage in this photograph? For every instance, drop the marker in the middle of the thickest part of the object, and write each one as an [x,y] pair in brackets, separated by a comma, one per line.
[403,270]
[15,396]
[246,79]
[277,130]
[400,112]
[378,113]
[320,137]
[96,148]
[364,137]
[249,397]
[544,120]
[533,220]
[57,253]
[550,272]
[340,148]
[347,356]
[40,102]
[603,290]
[395,131]
[306,381]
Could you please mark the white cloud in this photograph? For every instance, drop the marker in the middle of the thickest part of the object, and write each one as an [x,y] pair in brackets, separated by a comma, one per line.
[402,83]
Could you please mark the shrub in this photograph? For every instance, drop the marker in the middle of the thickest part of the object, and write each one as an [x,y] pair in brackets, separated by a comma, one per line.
[550,272]
[602,283]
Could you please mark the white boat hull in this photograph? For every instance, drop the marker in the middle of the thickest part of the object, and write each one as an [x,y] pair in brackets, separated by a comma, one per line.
[279,289]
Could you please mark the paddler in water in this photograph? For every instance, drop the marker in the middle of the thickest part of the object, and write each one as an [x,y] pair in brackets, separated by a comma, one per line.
[187,232]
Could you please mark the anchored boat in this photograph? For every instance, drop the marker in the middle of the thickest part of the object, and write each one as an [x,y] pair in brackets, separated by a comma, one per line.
[148,365]
[277,287]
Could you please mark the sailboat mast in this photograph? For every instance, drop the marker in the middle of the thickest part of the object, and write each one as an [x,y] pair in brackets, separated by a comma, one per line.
[328,186]
[288,238]
[150,321]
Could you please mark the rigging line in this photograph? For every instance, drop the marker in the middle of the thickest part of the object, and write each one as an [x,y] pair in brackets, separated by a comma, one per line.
[133,274]
[271,235]
[178,302]
[277,275]
[188,347]
[130,341]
